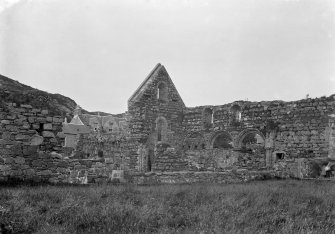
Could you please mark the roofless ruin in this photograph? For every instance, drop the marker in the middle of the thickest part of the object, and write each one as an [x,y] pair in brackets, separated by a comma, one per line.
[160,140]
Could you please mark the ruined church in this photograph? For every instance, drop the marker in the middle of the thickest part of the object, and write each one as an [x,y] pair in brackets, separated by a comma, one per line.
[160,140]
[159,133]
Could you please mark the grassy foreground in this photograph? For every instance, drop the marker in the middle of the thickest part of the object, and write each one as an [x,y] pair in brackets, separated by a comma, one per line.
[257,207]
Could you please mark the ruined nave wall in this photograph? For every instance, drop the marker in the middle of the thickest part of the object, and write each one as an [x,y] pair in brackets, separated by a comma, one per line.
[300,128]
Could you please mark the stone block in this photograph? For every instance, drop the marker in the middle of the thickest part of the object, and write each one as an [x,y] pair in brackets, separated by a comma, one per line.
[44,112]
[57,120]
[109,160]
[45,172]
[36,110]
[26,106]
[36,140]
[41,120]
[5,121]
[8,160]
[48,134]
[47,126]
[49,119]
[7,136]
[4,168]
[22,137]
[19,160]
[26,126]
[56,155]
[30,172]
[32,120]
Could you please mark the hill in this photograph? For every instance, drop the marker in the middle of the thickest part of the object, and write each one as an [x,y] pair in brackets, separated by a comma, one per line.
[16,92]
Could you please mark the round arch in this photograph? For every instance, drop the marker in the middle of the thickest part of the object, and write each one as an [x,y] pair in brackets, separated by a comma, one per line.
[222,135]
[246,132]
[161,128]
[162,91]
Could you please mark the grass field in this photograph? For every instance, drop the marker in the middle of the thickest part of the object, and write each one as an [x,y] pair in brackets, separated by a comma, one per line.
[259,207]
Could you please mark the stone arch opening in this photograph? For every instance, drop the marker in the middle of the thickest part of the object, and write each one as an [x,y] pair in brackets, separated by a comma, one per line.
[236,111]
[222,140]
[161,129]
[250,137]
[162,91]
[207,117]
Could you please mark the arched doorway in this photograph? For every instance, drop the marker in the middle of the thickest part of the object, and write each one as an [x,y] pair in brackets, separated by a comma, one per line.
[222,140]
[251,147]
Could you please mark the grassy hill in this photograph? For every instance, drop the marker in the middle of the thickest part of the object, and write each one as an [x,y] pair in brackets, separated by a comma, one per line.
[57,104]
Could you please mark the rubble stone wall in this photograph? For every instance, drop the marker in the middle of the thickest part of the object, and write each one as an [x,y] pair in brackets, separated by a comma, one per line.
[31,145]
[300,129]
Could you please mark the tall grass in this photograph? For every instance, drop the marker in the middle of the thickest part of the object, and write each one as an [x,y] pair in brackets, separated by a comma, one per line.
[257,207]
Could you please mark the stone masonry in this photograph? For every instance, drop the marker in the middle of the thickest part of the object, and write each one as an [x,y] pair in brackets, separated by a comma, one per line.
[160,140]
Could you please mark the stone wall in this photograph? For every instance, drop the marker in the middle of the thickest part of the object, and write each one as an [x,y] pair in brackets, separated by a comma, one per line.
[299,129]
[24,131]
[26,125]
[174,143]
[223,159]
[115,149]
[228,176]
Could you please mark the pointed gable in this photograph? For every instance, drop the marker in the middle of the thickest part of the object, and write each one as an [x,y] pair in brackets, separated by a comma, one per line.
[76,120]
[154,78]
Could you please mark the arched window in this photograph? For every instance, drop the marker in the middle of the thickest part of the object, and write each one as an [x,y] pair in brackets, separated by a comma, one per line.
[161,128]
[207,117]
[236,112]
[162,91]
[223,141]
[252,142]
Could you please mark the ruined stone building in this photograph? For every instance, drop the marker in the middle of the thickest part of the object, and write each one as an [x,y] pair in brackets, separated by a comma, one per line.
[159,139]
[159,133]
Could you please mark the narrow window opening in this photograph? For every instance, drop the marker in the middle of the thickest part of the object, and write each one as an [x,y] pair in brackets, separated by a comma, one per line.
[208,117]
[162,92]
[150,160]
[149,164]
[236,112]
[280,156]
[40,129]
[100,153]
[203,146]
[161,128]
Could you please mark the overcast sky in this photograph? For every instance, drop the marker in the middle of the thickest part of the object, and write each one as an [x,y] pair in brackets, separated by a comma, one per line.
[216,51]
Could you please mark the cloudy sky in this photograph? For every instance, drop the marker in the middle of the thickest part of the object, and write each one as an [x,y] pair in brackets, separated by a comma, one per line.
[216,51]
